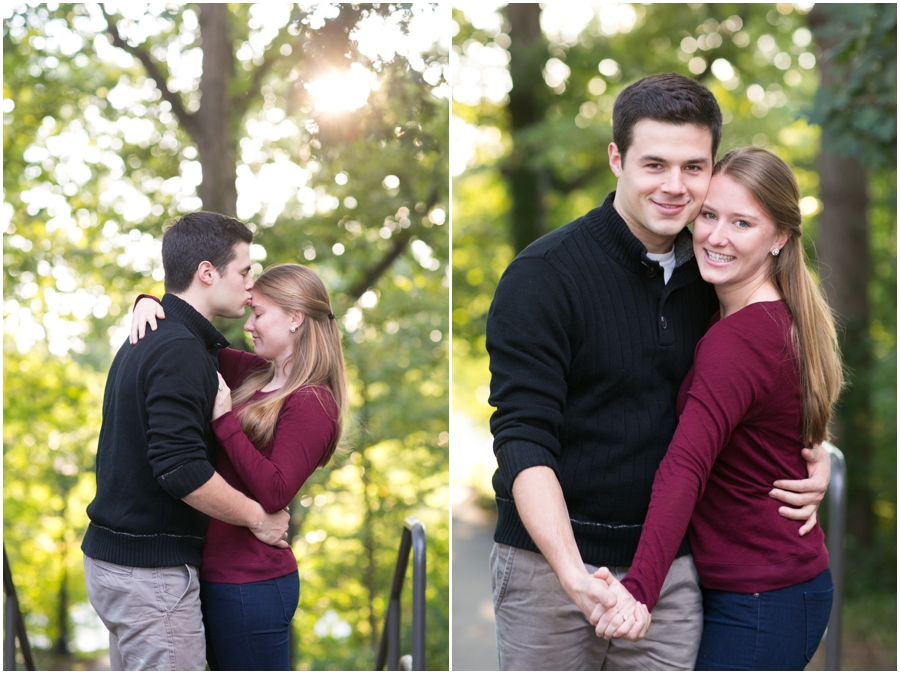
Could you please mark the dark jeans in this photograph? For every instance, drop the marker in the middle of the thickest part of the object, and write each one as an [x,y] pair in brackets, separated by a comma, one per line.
[777,630]
[247,624]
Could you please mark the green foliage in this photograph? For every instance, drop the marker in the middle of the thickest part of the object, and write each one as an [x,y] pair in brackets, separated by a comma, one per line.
[51,422]
[859,110]
[883,334]
[876,563]
[97,161]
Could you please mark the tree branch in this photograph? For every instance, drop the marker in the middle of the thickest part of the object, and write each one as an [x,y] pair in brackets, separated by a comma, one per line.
[241,102]
[187,119]
[401,243]
[273,56]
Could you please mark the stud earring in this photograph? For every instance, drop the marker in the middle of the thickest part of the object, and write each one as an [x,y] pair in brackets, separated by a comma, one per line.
[775,252]
[293,328]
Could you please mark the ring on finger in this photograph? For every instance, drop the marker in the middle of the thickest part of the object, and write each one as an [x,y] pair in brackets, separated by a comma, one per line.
[625,616]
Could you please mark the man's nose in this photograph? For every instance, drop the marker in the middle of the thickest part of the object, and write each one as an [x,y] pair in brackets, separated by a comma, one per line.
[674,184]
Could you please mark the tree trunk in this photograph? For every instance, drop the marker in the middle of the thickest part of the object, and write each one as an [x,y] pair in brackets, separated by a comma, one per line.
[214,133]
[527,106]
[845,263]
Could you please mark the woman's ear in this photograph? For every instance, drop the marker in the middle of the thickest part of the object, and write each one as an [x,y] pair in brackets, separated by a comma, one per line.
[781,241]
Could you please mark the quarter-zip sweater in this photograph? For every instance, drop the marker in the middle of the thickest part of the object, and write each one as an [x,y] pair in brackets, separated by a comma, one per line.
[588,348]
[156,444]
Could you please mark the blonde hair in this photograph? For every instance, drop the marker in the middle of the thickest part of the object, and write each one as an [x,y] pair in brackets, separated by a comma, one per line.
[317,360]
[774,187]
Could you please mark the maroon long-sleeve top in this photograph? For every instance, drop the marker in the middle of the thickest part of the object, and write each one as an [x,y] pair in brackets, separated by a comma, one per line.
[271,475]
[739,430]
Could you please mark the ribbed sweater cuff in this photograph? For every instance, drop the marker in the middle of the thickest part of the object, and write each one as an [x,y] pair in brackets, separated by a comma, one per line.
[514,456]
[186,478]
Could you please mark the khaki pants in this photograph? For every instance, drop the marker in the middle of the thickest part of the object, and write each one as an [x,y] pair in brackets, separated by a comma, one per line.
[540,628]
[153,615]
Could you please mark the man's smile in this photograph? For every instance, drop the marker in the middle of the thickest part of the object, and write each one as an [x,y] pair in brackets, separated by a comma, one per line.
[667,208]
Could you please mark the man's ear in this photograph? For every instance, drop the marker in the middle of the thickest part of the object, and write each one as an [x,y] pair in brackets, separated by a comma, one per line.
[615,160]
[205,273]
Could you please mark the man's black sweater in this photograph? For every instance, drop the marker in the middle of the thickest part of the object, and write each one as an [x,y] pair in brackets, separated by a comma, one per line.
[588,348]
[156,444]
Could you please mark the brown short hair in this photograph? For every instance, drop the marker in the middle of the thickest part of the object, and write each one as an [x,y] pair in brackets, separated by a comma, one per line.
[199,237]
[666,97]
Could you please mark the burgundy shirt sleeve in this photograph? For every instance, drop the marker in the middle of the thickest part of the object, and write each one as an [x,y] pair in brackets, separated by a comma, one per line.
[305,430]
[731,372]
[235,365]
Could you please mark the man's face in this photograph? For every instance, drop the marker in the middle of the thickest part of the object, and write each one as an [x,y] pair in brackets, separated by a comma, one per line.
[662,180]
[232,289]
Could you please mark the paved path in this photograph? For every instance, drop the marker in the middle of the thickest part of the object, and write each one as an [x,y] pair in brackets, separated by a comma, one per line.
[474,646]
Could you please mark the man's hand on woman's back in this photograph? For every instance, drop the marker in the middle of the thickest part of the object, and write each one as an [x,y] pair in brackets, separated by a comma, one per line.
[804,496]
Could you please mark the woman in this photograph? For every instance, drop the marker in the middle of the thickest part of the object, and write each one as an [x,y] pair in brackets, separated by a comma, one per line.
[762,387]
[283,420]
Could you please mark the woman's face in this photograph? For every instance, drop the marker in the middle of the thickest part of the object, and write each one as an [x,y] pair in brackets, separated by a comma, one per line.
[733,236]
[270,327]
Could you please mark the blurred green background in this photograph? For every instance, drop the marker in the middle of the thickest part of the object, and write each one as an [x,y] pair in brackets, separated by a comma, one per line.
[325,128]
[533,88]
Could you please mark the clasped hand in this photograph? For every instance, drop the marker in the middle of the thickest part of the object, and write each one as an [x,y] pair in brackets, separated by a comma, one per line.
[627,619]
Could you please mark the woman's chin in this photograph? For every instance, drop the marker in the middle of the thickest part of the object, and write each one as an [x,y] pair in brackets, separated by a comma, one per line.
[709,275]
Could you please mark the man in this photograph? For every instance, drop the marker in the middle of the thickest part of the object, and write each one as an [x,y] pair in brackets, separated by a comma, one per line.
[590,334]
[156,485]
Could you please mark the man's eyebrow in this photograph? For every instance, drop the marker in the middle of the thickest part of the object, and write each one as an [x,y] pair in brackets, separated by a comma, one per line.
[660,160]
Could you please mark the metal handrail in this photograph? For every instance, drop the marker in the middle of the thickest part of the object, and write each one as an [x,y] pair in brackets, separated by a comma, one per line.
[837,524]
[413,538]
[14,625]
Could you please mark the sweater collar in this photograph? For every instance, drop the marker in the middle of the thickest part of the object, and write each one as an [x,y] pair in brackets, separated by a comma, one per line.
[613,234]
[194,321]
